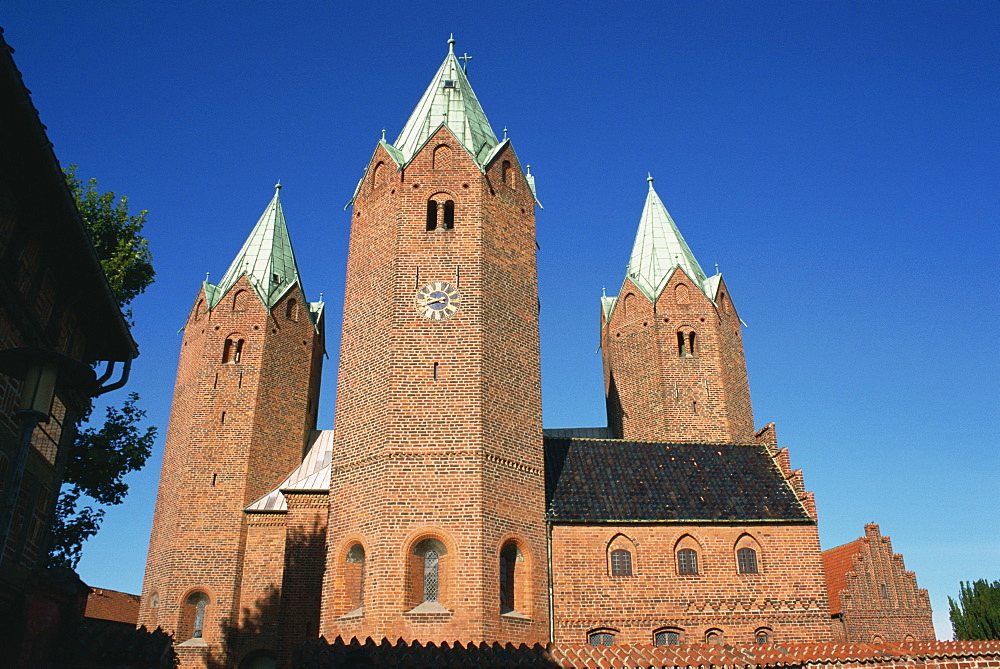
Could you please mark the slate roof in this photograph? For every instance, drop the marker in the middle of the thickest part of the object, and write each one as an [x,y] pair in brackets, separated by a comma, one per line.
[611,480]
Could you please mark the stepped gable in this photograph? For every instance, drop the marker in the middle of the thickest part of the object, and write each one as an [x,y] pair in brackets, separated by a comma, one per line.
[836,563]
[610,480]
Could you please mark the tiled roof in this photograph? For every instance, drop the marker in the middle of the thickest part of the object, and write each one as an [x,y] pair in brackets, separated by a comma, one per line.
[320,654]
[312,474]
[609,480]
[112,605]
[836,563]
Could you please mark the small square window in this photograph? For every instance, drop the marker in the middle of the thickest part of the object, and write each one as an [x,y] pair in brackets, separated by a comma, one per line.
[449,83]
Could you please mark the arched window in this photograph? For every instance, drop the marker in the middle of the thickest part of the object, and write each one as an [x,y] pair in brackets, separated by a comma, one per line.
[240,300]
[194,611]
[199,309]
[292,310]
[506,175]
[601,637]
[432,214]
[628,303]
[354,576]
[449,214]
[713,636]
[669,636]
[378,175]
[509,577]
[621,562]
[428,573]
[232,350]
[687,561]
[685,343]
[746,559]
[763,635]
[748,555]
[877,639]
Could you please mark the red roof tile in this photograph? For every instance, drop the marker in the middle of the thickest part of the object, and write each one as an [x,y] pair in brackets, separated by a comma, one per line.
[113,605]
[836,563]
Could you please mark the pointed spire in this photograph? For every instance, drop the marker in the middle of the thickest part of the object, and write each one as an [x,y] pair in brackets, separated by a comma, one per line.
[266,258]
[449,100]
[659,248]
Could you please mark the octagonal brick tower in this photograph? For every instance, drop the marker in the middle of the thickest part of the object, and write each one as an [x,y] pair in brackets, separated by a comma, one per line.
[673,353]
[437,493]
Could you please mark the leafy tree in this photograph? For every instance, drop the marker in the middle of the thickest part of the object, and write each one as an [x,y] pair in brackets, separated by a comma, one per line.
[101,456]
[976,614]
[117,236]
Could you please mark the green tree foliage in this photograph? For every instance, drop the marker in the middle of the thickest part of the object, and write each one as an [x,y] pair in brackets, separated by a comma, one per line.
[117,236]
[976,614]
[102,455]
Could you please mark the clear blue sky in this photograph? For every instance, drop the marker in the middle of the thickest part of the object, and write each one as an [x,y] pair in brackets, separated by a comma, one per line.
[839,161]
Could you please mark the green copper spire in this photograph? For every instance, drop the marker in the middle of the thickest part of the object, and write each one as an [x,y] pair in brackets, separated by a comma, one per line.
[659,248]
[449,100]
[266,259]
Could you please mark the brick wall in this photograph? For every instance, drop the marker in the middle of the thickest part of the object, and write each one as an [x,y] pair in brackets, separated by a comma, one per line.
[873,598]
[438,423]
[787,596]
[236,429]
[657,391]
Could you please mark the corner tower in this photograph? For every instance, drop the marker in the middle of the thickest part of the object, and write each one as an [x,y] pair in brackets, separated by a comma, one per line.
[436,502]
[244,403]
[673,353]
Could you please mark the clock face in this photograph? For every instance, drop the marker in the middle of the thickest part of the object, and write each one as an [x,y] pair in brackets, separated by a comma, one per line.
[437,301]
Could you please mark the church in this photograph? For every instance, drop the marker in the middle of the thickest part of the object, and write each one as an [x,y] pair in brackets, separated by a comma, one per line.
[438,509]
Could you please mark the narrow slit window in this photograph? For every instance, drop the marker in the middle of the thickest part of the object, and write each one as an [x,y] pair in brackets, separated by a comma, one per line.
[449,214]
[435,371]
[691,344]
[431,564]
[432,215]
[681,345]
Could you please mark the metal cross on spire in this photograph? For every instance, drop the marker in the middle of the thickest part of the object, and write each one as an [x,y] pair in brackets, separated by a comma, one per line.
[465,58]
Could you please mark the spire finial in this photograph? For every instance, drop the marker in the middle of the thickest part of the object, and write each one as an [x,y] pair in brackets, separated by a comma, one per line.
[451,43]
[383,134]
[207,274]
[529,170]
[604,291]
[505,132]
[649,178]
[277,186]
[321,297]
[716,268]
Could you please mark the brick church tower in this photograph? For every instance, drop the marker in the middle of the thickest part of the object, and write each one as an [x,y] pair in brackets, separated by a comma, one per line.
[436,527]
[244,403]
[673,354]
